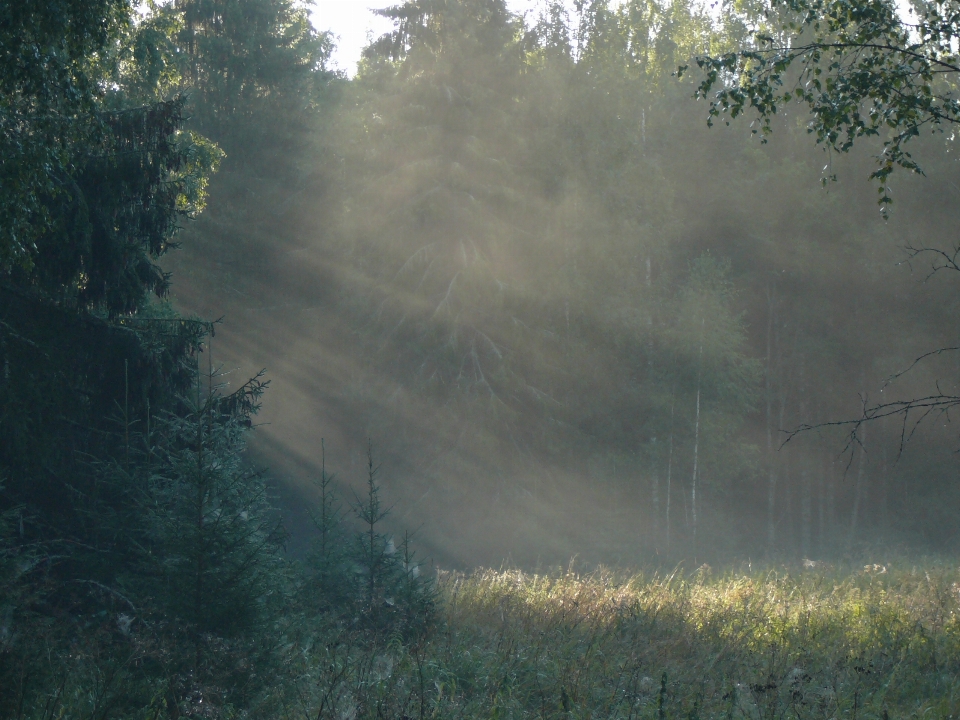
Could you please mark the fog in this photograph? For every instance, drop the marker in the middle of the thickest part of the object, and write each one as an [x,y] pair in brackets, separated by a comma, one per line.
[573,320]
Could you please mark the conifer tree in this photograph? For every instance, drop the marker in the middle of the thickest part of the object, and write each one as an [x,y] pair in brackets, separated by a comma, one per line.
[372,580]
[328,583]
[374,552]
[211,537]
[253,68]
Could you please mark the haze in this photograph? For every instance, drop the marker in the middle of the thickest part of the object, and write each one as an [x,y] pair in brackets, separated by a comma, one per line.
[571,318]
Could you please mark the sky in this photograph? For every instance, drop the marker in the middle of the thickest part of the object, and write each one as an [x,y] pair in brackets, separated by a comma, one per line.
[352,22]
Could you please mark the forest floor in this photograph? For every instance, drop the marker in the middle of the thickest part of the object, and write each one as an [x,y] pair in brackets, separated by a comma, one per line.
[822,642]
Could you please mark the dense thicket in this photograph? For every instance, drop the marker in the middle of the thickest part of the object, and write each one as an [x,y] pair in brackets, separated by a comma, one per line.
[141,564]
[91,358]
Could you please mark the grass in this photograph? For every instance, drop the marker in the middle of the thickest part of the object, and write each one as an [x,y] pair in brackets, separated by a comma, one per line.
[871,643]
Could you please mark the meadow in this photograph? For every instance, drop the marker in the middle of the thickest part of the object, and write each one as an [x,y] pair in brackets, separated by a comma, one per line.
[875,641]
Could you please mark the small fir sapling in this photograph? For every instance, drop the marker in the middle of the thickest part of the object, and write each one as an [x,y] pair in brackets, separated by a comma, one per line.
[213,549]
[389,589]
[416,594]
[328,584]
[373,551]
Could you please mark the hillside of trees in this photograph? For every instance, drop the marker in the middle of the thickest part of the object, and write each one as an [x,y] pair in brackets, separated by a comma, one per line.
[515,256]
[270,336]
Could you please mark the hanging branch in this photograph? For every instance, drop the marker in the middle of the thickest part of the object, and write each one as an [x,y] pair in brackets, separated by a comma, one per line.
[912,412]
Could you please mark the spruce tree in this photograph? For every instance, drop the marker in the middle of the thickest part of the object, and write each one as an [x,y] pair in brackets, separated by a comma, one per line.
[391,593]
[212,540]
[328,577]
[373,551]
[209,569]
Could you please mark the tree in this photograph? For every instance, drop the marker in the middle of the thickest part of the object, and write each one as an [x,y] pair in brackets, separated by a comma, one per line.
[715,379]
[864,70]
[390,592]
[79,334]
[242,60]
[210,548]
[92,187]
[861,68]
[119,211]
[98,173]
[110,175]
[47,98]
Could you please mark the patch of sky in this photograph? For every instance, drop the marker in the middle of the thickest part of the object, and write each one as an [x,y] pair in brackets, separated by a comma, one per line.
[354,24]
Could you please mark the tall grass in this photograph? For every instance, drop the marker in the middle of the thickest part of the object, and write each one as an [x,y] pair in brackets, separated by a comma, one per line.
[872,643]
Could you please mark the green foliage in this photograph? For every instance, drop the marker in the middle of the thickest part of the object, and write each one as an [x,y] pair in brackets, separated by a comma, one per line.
[145,65]
[143,566]
[65,376]
[253,70]
[706,319]
[82,159]
[512,249]
[864,70]
[860,67]
[16,597]
[391,595]
[365,580]
[497,237]
[79,337]
[708,344]
[211,547]
[508,235]
[328,577]
[119,212]
[373,551]
[47,99]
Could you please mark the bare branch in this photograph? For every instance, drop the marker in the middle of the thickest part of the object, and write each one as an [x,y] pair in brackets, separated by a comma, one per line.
[916,362]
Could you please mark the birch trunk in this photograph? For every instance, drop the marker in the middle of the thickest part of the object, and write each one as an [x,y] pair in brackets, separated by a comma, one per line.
[781,469]
[884,499]
[771,460]
[656,455]
[806,511]
[696,447]
[806,491]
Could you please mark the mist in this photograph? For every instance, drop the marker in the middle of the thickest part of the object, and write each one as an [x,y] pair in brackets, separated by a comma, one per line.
[573,320]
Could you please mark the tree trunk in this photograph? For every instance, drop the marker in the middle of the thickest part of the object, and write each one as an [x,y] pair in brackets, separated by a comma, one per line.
[806,511]
[780,469]
[656,455]
[832,504]
[884,500]
[655,492]
[806,499]
[860,490]
[771,458]
[696,448]
[821,508]
[673,405]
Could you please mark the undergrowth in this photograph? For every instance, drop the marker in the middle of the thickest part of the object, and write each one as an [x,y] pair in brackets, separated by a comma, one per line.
[877,642]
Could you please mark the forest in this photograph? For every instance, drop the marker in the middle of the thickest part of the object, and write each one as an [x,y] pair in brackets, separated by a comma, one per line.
[594,362]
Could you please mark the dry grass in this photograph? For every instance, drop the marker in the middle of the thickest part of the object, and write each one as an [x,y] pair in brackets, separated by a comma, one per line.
[873,643]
